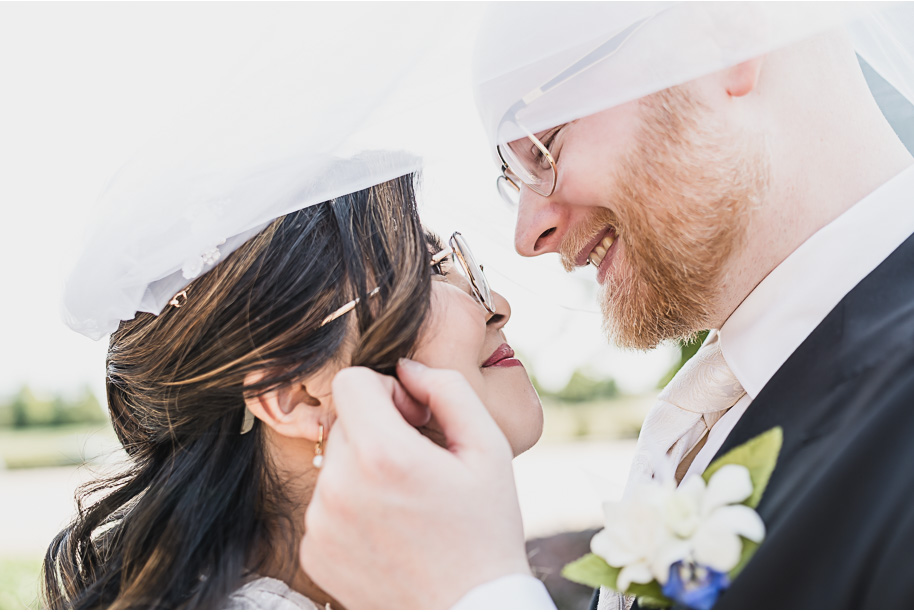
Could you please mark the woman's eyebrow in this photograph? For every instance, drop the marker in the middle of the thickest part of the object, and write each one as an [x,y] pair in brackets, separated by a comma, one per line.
[434,242]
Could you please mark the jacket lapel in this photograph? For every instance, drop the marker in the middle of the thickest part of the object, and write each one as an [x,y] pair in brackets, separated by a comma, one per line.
[804,396]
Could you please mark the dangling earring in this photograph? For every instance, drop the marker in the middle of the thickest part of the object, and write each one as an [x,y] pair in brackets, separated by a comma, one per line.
[319,449]
[248,422]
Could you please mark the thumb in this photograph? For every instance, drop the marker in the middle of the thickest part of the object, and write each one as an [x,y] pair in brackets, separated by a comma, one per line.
[416,414]
[463,418]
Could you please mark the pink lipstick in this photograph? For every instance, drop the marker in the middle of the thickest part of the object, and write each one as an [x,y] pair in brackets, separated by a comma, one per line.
[503,357]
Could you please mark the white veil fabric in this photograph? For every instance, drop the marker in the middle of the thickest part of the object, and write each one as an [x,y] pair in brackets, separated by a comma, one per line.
[324,106]
[539,65]
[342,96]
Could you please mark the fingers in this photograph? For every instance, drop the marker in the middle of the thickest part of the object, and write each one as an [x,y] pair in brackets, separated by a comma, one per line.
[366,409]
[416,414]
[450,398]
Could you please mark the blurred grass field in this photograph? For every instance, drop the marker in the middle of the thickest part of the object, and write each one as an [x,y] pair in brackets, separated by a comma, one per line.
[36,447]
[19,583]
[608,419]
[30,456]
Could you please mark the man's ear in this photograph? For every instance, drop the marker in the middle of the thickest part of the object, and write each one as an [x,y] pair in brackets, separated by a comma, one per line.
[743,78]
[290,411]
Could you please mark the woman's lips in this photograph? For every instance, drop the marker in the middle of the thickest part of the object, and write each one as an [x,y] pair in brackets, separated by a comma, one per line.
[503,357]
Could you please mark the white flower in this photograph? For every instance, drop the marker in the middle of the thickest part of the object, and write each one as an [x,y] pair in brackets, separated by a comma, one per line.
[716,543]
[634,533]
[193,266]
[211,256]
[660,524]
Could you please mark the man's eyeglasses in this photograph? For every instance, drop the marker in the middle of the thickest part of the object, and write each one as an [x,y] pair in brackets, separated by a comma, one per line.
[465,262]
[527,160]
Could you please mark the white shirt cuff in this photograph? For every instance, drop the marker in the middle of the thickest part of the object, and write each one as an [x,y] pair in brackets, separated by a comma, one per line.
[513,592]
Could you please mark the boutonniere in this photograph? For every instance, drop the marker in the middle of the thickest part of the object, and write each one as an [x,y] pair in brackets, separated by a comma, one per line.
[668,545]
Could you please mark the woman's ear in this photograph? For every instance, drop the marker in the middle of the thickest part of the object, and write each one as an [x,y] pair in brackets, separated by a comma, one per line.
[290,411]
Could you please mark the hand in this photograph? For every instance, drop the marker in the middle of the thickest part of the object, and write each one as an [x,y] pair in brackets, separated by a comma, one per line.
[397,521]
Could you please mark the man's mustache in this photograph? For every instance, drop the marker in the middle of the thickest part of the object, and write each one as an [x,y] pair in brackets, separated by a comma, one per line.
[580,235]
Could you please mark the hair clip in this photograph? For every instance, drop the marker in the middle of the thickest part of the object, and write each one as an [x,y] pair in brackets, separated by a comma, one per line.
[179,300]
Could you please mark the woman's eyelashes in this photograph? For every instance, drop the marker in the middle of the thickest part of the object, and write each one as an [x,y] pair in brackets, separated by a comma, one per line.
[439,269]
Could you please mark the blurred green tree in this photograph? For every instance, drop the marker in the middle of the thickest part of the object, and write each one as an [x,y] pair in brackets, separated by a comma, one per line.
[583,388]
[686,351]
[28,409]
[85,408]
[580,388]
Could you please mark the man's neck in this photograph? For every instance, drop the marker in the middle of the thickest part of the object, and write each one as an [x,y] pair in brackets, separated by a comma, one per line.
[822,163]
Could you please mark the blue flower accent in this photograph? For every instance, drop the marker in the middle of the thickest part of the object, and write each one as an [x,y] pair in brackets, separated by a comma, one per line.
[695,586]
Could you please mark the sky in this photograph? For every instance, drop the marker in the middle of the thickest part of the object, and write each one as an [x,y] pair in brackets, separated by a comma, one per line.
[87,86]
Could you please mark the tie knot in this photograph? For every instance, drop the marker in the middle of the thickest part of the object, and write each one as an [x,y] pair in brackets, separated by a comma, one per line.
[705,384]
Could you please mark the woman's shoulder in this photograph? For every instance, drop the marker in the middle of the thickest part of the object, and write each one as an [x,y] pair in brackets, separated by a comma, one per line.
[268,594]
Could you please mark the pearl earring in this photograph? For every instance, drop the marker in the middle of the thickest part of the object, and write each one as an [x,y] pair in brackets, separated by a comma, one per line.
[319,449]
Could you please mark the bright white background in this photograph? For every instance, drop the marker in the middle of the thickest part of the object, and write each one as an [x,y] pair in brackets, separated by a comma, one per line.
[85,85]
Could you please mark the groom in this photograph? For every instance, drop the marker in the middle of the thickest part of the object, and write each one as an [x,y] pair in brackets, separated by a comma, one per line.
[769,200]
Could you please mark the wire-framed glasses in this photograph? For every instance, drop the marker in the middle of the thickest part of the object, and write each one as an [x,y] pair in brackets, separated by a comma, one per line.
[471,269]
[464,261]
[527,160]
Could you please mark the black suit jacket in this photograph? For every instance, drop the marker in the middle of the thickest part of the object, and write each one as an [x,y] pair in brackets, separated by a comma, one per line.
[840,504]
[839,508]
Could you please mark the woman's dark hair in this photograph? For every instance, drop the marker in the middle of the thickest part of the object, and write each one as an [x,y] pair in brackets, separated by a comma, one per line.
[188,519]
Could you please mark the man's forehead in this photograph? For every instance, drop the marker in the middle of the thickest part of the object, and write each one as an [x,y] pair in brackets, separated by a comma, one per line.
[535,66]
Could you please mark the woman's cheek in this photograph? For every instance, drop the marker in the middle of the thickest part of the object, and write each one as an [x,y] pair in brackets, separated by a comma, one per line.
[454,334]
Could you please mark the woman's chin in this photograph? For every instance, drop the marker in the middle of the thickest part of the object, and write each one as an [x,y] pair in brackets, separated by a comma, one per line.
[526,427]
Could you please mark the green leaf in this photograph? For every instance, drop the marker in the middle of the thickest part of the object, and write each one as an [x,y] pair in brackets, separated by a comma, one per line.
[749,548]
[651,593]
[646,602]
[593,571]
[760,456]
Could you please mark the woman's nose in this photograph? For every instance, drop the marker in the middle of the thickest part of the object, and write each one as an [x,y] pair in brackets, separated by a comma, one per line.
[502,313]
[539,228]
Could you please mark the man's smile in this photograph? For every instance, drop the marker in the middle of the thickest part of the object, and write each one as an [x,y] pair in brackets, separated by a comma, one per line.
[595,251]
[600,251]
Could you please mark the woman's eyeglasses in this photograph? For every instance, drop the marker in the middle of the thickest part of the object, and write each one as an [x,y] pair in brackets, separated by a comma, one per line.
[465,262]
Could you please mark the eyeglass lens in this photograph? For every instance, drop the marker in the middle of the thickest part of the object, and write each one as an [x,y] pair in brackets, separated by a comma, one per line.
[529,159]
[473,271]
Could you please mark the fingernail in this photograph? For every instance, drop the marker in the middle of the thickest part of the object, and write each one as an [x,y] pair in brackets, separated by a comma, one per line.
[409,364]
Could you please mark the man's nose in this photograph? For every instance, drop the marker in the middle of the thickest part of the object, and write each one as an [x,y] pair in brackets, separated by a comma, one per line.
[539,227]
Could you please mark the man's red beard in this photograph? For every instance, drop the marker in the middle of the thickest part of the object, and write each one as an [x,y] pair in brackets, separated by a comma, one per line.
[680,208]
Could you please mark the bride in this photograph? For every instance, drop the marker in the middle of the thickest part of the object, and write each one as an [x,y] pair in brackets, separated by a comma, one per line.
[223,401]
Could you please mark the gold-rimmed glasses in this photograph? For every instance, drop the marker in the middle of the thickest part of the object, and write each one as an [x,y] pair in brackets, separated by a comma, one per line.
[466,263]
[530,161]
[526,159]
[508,185]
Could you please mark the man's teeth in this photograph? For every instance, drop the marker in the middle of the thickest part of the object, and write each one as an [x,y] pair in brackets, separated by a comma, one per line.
[599,251]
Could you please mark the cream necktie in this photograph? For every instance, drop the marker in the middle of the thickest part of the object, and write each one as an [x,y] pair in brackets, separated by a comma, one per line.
[700,393]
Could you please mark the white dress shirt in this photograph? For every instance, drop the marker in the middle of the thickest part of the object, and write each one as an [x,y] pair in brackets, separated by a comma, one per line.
[773,321]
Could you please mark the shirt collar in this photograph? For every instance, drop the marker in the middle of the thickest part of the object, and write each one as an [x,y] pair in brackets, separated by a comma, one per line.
[798,294]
